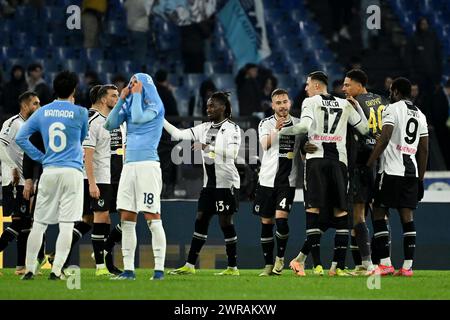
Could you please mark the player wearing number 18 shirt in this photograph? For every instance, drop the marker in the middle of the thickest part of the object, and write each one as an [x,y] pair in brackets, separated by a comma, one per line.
[219,141]
[403,146]
[63,126]
[325,118]
[277,178]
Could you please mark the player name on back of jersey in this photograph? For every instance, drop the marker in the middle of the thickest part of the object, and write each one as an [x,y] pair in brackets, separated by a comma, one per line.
[330,103]
[59,113]
[373,102]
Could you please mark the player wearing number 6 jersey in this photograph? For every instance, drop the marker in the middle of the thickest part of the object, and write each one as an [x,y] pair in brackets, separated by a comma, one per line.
[219,142]
[325,118]
[403,146]
[63,126]
[277,178]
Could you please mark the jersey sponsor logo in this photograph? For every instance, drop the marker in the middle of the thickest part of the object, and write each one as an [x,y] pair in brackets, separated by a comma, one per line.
[101,202]
[319,137]
[59,113]
[406,149]
[288,155]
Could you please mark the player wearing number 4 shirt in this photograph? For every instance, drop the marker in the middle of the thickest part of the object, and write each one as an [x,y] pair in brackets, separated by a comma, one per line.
[325,118]
[277,177]
[219,142]
[403,147]
[63,126]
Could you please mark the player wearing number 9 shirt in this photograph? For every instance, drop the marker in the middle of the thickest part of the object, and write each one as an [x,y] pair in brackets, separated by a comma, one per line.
[63,126]
[403,146]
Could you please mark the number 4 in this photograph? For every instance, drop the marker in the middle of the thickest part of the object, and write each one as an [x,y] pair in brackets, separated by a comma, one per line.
[283,203]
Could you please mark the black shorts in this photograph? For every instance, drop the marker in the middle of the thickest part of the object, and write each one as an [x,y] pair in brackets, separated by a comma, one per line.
[15,206]
[220,201]
[268,200]
[92,205]
[396,192]
[362,184]
[113,202]
[326,184]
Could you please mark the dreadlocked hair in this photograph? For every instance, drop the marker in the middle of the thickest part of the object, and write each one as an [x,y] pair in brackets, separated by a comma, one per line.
[222,97]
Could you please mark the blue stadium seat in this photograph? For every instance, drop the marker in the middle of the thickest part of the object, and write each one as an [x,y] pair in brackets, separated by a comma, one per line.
[284,80]
[182,95]
[49,77]
[35,53]
[7,26]
[10,53]
[23,40]
[48,40]
[192,81]
[116,28]
[223,81]
[9,63]
[102,66]
[63,53]
[25,13]
[91,54]
[76,65]
[126,66]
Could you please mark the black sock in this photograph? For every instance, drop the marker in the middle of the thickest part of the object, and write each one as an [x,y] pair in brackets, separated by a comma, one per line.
[22,246]
[381,235]
[341,241]
[115,236]
[267,242]
[313,234]
[363,240]
[306,249]
[282,235]
[41,253]
[98,241]
[79,230]
[355,251]
[198,240]
[373,245]
[10,233]
[409,240]
[230,242]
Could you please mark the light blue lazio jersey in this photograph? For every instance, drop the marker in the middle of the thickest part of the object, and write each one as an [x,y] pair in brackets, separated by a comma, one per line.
[143,138]
[63,127]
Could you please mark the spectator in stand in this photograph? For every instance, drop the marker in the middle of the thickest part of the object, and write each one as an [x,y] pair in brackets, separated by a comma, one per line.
[424,58]
[249,91]
[197,103]
[12,90]
[165,91]
[119,81]
[92,15]
[36,83]
[193,44]
[440,117]
[138,13]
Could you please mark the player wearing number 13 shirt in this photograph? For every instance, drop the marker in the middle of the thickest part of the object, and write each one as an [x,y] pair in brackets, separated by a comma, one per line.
[219,141]
[63,126]
[403,146]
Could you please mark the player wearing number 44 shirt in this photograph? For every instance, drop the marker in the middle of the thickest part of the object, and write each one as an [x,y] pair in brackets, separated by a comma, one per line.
[403,147]
[325,118]
[63,126]
[219,142]
[277,177]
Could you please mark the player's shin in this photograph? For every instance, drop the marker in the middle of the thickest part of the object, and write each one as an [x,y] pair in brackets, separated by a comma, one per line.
[33,244]
[198,240]
[267,243]
[381,235]
[129,243]
[229,234]
[63,243]
[362,238]
[341,241]
[158,242]
[314,234]
[282,235]
[409,244]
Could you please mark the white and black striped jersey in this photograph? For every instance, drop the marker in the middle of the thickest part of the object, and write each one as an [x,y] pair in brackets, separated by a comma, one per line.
[330,116]
[410,124]
[219,169]
[278,165]
[7,138]
[99,139]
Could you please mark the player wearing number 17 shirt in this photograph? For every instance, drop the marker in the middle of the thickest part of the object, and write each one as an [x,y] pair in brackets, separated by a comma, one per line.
[63,126]
[325,118]
[403,146]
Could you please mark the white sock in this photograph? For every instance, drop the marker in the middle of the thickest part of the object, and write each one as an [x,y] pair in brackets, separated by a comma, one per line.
[34,243]
[301,257]
[158,243]
[386,262]
[189,265]
[368,265]
[129,243]
[407,264]
[232,268]
[333,265]
[63,243]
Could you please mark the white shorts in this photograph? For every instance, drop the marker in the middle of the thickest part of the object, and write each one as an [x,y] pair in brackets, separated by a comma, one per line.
[140,187]
[60,196]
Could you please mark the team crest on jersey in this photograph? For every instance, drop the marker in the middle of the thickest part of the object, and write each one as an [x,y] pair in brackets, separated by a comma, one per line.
[101,202]
[257,208]
[23,208]
[7,131]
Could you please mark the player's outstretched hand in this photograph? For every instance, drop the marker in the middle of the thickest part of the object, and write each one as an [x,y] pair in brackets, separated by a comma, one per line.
[15,176]
[352,101]
[137,87]
[310,147]
[125,92]
[199,146]
[28,189]
[94,191]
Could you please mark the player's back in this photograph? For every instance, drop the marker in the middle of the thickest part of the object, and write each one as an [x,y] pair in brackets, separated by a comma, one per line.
[410,125]
[328,131]
[63,128]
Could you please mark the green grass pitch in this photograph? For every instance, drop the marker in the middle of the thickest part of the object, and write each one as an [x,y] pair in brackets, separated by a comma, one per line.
[206,286]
